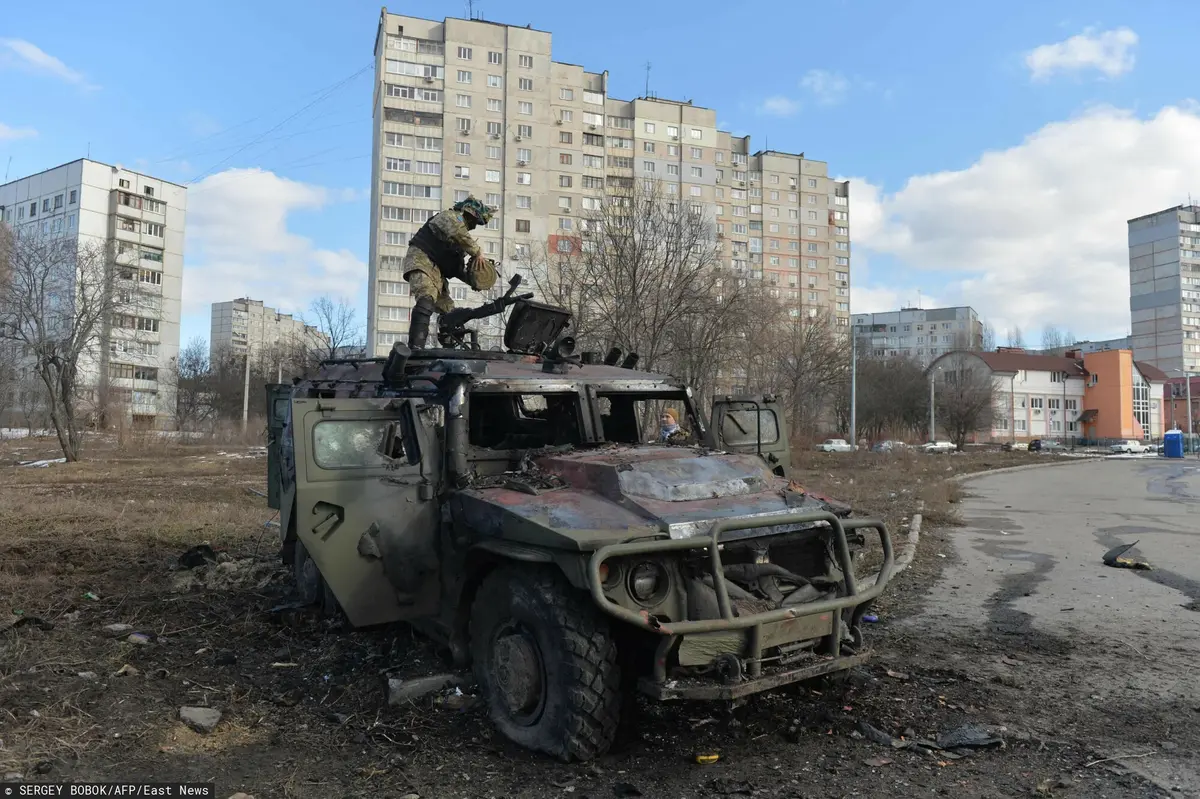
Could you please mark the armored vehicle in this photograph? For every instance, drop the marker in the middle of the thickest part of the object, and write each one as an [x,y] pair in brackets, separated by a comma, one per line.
[510,505]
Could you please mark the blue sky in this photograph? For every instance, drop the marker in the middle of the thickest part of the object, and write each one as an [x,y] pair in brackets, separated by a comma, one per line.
[995,156]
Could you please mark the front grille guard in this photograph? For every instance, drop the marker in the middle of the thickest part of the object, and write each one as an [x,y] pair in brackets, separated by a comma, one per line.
[672,630]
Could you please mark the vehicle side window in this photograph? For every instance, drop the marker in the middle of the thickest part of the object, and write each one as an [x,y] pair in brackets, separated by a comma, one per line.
[741,426]
[287,446]
[348,443]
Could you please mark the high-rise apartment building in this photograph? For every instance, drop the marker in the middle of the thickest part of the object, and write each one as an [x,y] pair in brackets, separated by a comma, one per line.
[468,106]
[244,324]
[144,217]
[920,333]
[1164,288]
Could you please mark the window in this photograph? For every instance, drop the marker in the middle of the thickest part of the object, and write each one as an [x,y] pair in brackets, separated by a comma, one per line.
[841,260]
[695,191]
[647,166]
[524,107]
[397,164]
[648,146]
[392,213]
[393,238]
[524,155]
[155,229]
[522,225]
[525,84]
[564,137]
[672,169]
[494,57]
[74,196]
[464,76]
[564,181]
[58,200]
[431,167]
[566,115]
[493,200]
[493,153]
[492,176]
[673,131]
[390,313]
[350,443]
[524,201]
[593,140]
[697,152]
[525,61]
[594,98]
[525,178]
[462,100]
[564,158]
[1035,403]
[464,53]
[697,172]
[46,205]
[593,161]
[696,133]
[462,172]
[564,223]
[592,182]
[464,124]
[566,94]
[461,148]
[393,288]
[673,149]
[525,130]
[841,245]
[397,140]
[812,264]
[648,127]
[592,203]
[1072,405]
[494,82]
[428,143]
[565,203]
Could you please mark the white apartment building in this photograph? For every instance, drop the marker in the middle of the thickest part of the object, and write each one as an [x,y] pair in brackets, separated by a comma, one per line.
[469,106]
[1125,343]
[145,218]
[922,334]
[245,324]
[1164,288]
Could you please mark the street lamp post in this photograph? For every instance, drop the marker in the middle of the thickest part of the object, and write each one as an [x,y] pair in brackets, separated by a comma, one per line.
[853,389]
[932,424]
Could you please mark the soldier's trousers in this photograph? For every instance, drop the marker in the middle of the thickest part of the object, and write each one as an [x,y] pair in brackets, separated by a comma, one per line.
[425,279]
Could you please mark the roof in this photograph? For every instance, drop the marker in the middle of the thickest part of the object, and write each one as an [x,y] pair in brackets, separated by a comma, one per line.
[1151,372]
[1023,361]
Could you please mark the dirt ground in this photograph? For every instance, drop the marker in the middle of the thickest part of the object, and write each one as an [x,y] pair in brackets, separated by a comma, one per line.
[92,544]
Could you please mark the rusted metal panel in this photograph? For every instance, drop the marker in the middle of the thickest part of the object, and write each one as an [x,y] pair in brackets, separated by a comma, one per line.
[801,628]
[710,691]
[700,649]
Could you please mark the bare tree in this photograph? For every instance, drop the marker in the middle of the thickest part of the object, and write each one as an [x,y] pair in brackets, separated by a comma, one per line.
[892,397]
[1015,339]
[988,343]
[1052,339]
[193,395]
[9,384]
[57,298]
[966,397]
[337,326]
[802,357]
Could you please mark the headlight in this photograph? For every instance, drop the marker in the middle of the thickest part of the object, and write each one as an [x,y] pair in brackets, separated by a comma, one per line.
[647,582]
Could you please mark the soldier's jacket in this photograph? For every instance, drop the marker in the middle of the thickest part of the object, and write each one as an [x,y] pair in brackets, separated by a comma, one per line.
[437,252]
[679,436]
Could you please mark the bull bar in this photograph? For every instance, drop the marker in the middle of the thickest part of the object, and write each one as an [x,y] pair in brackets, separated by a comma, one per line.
[672,631]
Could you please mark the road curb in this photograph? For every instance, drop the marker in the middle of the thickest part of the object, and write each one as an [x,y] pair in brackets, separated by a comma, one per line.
[959,478]
[906,557]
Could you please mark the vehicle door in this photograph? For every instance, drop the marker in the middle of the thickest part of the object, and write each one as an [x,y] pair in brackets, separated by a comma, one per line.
[279,397]
[370,522]
[751,425]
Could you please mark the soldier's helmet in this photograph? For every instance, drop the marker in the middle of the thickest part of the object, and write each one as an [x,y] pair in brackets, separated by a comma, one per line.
[475,208]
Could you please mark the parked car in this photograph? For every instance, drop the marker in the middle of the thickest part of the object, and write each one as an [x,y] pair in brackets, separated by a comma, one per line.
[938,446]
[1045,445]
[888,446]
[1130,447]
[1013,446]
[835,445]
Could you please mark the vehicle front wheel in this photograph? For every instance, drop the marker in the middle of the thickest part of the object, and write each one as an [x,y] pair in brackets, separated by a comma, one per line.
[547,664]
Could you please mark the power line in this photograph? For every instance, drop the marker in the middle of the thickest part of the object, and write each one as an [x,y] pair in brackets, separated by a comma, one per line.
[325,94]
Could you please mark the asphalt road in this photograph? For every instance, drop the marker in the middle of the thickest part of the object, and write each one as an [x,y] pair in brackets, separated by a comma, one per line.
[1104,655]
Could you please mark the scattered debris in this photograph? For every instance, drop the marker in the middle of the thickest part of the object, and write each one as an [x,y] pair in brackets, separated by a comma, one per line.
[18,620]
[89,675]
[118,629]
[897,675]
[1114,557]
[126,671]
[140,639]
[870,618]
[16,776]
[197,556]
[400,691]
[1118,757]
[876,762]
[43,767]
[876,735]
[91,595]
[279,665]
[970,735]
[200,719]
[707,758]
[240,795]
[43,464]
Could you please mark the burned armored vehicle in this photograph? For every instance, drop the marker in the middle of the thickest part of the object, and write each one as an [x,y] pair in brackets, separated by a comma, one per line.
[508,504]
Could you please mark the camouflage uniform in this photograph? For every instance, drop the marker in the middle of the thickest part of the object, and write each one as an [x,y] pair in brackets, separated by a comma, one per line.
[448,236]
[435,254]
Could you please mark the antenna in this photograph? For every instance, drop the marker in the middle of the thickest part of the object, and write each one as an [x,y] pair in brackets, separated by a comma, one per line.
[471,9]
[647,78]
[6,168]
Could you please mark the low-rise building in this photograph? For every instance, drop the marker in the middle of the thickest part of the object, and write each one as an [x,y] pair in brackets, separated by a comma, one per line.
[1097,396]
[1176,393]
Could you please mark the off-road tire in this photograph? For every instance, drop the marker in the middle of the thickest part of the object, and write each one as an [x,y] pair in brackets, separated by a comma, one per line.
[580,685]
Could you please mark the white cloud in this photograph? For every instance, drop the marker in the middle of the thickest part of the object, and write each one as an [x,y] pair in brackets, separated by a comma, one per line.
[1110,52]
[877,299]
[828,87]
[1036,234]
[779,106]
[239,244]
[29,56]
[8,133]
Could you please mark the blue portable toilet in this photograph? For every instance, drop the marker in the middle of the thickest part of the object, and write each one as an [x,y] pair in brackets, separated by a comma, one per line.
[1173,444]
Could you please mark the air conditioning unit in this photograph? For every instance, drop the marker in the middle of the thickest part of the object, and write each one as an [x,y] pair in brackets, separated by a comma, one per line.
[675,138]
[522,163]
[518,138]
[495,135]
[428,79]
[558,122]
[464,133]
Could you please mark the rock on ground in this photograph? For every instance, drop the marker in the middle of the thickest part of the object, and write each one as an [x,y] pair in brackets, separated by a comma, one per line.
[200,719]
[400,691]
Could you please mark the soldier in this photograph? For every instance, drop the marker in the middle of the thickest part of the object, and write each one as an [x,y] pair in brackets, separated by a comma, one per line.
[436,253]
[669,431]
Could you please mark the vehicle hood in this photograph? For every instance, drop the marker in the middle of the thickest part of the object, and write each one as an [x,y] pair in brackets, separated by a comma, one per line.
[600,496]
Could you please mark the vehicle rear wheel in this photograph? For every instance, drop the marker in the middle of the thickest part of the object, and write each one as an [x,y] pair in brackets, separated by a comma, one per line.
[310,585]
[547,664]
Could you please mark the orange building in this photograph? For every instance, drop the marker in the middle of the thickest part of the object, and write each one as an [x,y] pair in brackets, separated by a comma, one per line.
[1122,397]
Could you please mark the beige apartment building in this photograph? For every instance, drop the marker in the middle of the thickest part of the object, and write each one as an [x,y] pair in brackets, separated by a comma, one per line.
[244,324]
[469,106]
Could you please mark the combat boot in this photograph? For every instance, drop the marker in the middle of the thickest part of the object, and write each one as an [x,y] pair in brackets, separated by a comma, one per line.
[418,328]
[419,325]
